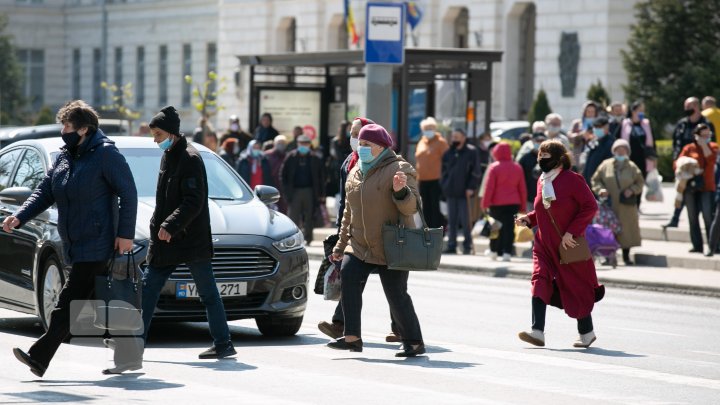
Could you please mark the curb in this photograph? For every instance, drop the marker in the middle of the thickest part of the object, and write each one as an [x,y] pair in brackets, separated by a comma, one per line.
[504,272]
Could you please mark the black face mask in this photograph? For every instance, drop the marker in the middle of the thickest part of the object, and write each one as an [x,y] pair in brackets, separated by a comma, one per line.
[689,112]
[456,144]
[71,139]
[547,164]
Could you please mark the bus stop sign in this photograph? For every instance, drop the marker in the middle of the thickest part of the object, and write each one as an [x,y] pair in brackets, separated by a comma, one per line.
[385,33]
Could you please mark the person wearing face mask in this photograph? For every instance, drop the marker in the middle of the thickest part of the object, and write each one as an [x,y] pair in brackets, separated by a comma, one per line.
[618,178]
[180,230]
[303,181]
[532,169]
[254,166]
[276,157]
[538,128]
[581,133]
[229,151]
[85,182]
[563,199]
[428,160]
[637,131]
[381,189]
[599,149]
[460,182]
[684,134]
[484,144]
[616,114]
[234,131]
[553,123]
[699,199]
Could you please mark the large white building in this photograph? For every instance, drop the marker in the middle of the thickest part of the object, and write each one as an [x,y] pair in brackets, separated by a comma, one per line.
[67,47]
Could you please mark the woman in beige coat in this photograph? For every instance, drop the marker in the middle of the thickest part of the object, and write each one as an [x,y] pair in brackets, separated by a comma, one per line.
[381,189]
[620,176]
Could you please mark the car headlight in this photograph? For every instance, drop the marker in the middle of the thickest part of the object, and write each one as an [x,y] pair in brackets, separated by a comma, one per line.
[290,243]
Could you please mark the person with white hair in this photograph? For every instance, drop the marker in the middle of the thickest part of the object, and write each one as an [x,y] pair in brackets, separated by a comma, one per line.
[538,127]
[428,163]
[553,123]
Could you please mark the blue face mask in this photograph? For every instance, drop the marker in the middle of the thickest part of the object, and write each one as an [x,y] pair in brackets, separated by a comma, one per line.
[166,144]
[365,154]
[257,153]
[303,150]
[587,122]
[641,116]
[620,158]
[599,132]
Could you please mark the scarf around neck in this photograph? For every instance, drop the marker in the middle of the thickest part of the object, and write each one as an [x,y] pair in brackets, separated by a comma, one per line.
[548,191]
[365,167]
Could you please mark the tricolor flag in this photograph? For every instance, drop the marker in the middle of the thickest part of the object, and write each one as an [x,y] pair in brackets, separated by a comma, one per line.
[414,13]
[350,23]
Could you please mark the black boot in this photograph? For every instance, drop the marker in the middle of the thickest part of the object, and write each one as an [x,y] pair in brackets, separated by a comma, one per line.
[626,257]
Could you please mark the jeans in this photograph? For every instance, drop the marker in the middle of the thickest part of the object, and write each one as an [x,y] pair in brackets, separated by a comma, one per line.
[430,193]
[698,203]
[539,309]
[458,215]
[506,215]
[79,286]
[354,274]
[302,209]
[202,274]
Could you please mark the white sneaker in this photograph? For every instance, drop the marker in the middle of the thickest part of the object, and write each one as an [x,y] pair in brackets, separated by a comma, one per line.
[534,337]
[506,257]
[585,340]
[492,255]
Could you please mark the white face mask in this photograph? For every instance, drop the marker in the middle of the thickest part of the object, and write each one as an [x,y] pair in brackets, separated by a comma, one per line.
[429,133]
[234,127]
[354,142]
[486,144]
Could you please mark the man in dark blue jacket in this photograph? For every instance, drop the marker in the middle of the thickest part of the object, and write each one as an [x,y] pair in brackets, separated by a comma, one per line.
[461,174]
[85,182]
[180,230]
[599,148]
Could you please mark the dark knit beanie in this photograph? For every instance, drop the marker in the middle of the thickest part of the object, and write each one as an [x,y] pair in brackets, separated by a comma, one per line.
[376,134]
[168,120]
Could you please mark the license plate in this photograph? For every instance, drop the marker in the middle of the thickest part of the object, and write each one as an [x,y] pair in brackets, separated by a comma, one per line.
[189,290]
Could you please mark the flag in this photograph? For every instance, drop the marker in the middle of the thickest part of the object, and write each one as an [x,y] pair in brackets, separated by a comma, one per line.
[414,13]
[350,23]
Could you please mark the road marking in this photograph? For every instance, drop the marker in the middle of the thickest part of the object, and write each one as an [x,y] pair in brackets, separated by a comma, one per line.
[702,352]
[647,331]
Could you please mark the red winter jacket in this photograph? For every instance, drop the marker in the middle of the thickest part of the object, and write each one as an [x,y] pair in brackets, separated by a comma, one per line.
[506,180]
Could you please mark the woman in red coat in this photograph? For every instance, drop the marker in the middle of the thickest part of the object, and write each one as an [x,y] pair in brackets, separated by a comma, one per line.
[573,287]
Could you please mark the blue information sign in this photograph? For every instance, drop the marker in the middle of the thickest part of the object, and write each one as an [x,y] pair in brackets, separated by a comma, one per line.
[385,33]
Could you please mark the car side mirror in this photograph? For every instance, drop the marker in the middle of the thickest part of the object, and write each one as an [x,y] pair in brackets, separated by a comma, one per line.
[268,195]
[15,195]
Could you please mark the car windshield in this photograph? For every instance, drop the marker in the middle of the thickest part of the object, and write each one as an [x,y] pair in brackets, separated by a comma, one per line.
[223,182]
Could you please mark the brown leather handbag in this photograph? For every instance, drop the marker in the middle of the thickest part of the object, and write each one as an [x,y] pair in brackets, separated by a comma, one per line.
[579,253]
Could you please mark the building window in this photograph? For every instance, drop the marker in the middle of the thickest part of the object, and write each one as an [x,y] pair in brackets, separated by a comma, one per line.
[33,65]
[76,74]
[211,64]
[187,71]
[97,97]
[119,73]
[140,77]
[162,76]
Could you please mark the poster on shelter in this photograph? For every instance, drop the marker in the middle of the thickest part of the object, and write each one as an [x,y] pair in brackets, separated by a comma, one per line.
[291,108]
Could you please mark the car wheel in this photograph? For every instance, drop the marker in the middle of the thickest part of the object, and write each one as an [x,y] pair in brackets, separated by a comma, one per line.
[51,282]
[279,327]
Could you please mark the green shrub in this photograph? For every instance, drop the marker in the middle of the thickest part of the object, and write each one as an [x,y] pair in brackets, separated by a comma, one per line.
[665,162]
[540,108]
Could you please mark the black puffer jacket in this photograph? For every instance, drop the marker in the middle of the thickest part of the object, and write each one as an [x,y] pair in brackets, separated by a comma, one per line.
[181,208]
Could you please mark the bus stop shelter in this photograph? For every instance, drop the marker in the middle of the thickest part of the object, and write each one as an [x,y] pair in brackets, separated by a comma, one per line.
[313,89]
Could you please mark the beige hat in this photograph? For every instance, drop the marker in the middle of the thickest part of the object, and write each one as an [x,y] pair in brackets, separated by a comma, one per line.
[620,143]
[280,138]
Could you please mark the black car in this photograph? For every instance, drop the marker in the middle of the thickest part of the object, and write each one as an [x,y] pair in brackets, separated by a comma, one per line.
[260,264]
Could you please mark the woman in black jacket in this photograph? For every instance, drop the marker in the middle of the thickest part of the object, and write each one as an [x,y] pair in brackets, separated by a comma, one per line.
[85,182]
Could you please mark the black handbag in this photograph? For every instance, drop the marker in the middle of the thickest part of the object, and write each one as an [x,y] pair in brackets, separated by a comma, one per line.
[409,249]
[632,200]
[328,245]
[119,297]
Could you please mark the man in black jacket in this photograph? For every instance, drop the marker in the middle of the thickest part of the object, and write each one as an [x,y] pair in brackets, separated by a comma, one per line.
[180,230]
[599,149]
[460,180]
[303,182]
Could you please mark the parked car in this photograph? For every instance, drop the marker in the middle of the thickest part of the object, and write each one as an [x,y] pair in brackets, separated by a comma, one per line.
[508,130]
[260,264]
[109,126]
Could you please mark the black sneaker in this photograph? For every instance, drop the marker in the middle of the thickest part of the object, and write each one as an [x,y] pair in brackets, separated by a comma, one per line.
[341,344]
[411,350]
[35,366]
[219,351]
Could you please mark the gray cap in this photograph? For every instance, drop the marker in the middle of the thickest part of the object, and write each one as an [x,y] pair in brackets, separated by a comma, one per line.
[303,139]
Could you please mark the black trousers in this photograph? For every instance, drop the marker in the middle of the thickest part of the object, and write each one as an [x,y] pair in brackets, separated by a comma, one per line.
[80,286]
[430,193]
[539,309]
[339,317]
[506,215]
[355,273]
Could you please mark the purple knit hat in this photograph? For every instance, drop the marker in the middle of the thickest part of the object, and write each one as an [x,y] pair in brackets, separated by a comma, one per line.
[376,134]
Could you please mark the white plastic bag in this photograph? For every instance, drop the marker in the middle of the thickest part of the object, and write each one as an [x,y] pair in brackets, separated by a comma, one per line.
[653,183]
[333,286]
[479,225]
